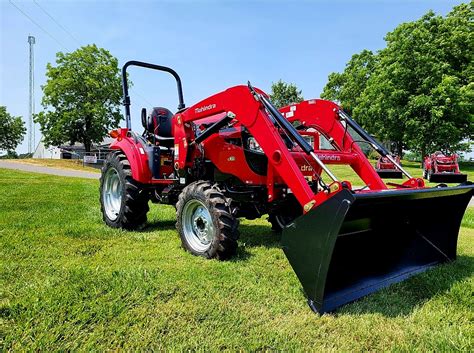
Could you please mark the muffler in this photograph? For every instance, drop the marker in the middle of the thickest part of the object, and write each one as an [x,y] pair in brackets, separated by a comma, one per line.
[355,244]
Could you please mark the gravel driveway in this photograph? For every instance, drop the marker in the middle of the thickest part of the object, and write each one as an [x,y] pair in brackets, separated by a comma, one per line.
[48,170]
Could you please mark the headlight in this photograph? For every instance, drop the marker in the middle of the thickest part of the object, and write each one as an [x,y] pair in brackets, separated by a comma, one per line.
[253,145]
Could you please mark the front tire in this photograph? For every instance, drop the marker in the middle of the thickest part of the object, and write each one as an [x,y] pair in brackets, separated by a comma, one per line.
[425,172]
[205,223]
[428,175]
[123,201]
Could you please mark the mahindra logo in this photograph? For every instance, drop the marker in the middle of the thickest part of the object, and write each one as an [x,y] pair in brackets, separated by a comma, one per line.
[329,157]
[204,108]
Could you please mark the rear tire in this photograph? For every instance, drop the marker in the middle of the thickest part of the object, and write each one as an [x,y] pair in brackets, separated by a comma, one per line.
[123,201]
[428,175]
[281,217]
[205,223]
[279,222]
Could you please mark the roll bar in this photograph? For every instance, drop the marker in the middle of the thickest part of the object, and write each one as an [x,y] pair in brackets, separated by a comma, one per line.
[126,97]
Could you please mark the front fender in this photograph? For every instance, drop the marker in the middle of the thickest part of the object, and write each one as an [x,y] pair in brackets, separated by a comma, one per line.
[136,155]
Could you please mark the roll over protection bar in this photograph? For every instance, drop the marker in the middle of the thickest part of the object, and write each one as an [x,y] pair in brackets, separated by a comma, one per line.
[126,97]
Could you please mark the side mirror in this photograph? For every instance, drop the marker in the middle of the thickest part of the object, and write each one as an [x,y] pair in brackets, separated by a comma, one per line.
[144,118]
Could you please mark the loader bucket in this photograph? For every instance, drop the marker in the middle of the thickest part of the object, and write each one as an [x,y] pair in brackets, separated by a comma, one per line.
[389,174]
[355,244]
[447,178]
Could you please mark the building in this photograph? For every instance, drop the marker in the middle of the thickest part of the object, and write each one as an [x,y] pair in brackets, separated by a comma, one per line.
[75,151]
[43,152]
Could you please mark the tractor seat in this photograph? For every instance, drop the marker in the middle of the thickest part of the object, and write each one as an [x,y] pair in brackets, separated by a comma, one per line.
[159,123]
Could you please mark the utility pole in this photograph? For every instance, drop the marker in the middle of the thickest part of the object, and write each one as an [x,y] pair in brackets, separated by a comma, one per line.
[31,135]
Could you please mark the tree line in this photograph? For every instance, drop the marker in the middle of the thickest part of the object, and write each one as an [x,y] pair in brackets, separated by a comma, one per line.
[417,91]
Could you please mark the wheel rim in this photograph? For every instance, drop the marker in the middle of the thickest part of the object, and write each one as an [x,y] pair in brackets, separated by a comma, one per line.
[283,221]
[197,224]
[112,194]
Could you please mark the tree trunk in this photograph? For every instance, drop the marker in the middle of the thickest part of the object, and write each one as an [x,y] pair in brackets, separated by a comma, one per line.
[87,141]
[400,149]
[87,145]
[423,154]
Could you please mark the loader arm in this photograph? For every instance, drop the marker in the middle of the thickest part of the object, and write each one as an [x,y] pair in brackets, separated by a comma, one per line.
[239,102]
[323,116]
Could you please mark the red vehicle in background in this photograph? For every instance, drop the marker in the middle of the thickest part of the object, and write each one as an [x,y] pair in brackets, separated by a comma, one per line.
[441,168]
[386,169]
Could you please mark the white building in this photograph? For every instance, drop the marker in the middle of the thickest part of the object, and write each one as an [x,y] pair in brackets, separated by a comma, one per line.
[42,151]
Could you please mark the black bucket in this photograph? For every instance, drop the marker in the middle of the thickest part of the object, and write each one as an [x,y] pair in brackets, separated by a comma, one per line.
[447,178]
[355,244]
[389,173]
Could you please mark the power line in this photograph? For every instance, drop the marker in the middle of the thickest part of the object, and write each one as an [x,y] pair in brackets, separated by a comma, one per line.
[140,95]
[37,25]
[137,92]
[57,23]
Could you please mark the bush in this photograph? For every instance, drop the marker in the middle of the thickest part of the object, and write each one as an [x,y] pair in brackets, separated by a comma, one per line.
[373,155]
[10,155]
[413,157]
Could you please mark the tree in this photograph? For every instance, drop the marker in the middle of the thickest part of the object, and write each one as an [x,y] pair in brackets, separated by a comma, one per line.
[421,90]
[284,94]
[347,87]
[12,130]
[418,91]
[81,97]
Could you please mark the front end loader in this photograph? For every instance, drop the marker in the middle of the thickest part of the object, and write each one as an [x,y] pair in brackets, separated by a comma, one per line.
[442,168]
[387,170]
[234,155]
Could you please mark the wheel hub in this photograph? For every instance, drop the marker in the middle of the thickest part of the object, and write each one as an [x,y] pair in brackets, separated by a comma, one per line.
[197,225]
[112,194]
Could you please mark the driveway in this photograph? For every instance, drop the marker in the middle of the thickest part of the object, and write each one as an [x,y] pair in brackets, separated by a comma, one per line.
[48,170]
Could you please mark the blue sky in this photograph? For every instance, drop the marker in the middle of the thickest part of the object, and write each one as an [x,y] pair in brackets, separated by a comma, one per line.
[211,44]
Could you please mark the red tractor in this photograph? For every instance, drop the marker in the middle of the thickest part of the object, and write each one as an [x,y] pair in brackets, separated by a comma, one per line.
[441,168]
[235,155]
[386,169]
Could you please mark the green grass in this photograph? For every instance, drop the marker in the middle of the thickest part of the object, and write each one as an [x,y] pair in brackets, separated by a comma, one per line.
[468,220]
[68,282]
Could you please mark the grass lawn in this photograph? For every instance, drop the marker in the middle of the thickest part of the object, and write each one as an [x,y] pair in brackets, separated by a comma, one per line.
[74,164]
[68,282]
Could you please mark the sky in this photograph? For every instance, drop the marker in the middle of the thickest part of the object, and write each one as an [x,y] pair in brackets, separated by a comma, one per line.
[213,45]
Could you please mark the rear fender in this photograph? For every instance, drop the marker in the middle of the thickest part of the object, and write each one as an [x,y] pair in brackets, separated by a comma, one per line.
[136,155]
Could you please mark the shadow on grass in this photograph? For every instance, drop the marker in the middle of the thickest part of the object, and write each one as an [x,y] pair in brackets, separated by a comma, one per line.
[157,225]
[403,298]
[253,235]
